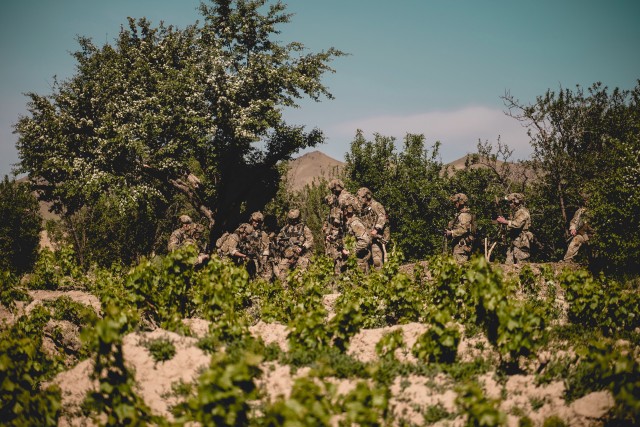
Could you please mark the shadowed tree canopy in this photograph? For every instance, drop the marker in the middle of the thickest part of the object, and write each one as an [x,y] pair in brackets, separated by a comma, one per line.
[165,111]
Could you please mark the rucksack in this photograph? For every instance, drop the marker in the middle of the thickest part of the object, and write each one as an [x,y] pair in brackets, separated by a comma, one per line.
[222,239]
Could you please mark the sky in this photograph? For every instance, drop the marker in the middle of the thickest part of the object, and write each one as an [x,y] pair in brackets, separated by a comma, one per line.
[432,67]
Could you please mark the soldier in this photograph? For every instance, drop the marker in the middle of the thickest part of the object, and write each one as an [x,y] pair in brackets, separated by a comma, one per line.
[374,217]
[518,229]
[344,198]
[295,244]
[461,229]
[333,231]
[189,233]
[261,239]
[357,229]
[234,245]
[579,230]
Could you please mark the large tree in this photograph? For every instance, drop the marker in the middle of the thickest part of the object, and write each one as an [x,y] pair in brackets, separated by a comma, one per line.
[164,111]
[588,141]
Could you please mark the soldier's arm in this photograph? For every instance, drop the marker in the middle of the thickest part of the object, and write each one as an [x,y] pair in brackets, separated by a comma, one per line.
[265,243]
[381,216]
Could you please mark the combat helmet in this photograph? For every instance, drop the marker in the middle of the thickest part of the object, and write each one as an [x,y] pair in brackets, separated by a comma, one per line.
[364,193]
[293,215]
[185,219]
[330,199]
[516,198]
[459,197]
[336,184]
[257,217]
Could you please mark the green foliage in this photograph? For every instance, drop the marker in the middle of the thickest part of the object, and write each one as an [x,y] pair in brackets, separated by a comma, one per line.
[599,303]
[480,411]
[64,308]
[587,140]
[122,130]
[160,288]
[115,397]
[554,421]
[619,372]
[223,393]
[161,349]
[54,270]
[389,343]
[10,292]
[365,405]
[440,343]
[20,226]
[111,232]
[310,404]
[512,326]
[408,184]
[23,368]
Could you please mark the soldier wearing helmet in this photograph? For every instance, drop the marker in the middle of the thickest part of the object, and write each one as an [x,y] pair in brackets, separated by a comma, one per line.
[343,196]
[518,229]
[374,217]
[236,246]
[461,229]
[260,242]
[357,229]
[295,244]
[333,231]
[187,233]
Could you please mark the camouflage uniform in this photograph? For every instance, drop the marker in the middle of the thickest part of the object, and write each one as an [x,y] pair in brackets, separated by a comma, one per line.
[261,241]
[580,226]
[188,234]
[357,229]
[344,198]
[295,243]
[461,229]
[374,217]
[333,230]
[518,229]
[237,247]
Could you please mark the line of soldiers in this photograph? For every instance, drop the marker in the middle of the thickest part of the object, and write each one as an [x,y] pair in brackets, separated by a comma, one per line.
[365,219]
[462,229]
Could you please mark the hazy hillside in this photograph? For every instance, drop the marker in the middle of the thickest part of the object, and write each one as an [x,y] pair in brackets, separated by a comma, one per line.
[310,166]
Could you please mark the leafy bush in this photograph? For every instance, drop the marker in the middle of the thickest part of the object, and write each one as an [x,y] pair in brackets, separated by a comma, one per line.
[440,343]
[480,411]
[310,404]
[223,392]
[20,226]
[115,397]
[23,367]
[597,304]
[161,349]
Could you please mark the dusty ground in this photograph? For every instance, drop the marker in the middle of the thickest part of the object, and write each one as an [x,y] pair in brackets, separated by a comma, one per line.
[412,396]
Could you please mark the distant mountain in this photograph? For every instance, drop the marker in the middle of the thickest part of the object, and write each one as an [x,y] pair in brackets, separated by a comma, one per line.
[311,166]
[516,170]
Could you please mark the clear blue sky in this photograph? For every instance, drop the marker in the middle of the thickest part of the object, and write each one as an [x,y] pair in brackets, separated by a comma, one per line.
[436,67]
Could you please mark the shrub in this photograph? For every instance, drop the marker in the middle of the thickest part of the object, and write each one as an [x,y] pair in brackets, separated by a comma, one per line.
[20,226]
